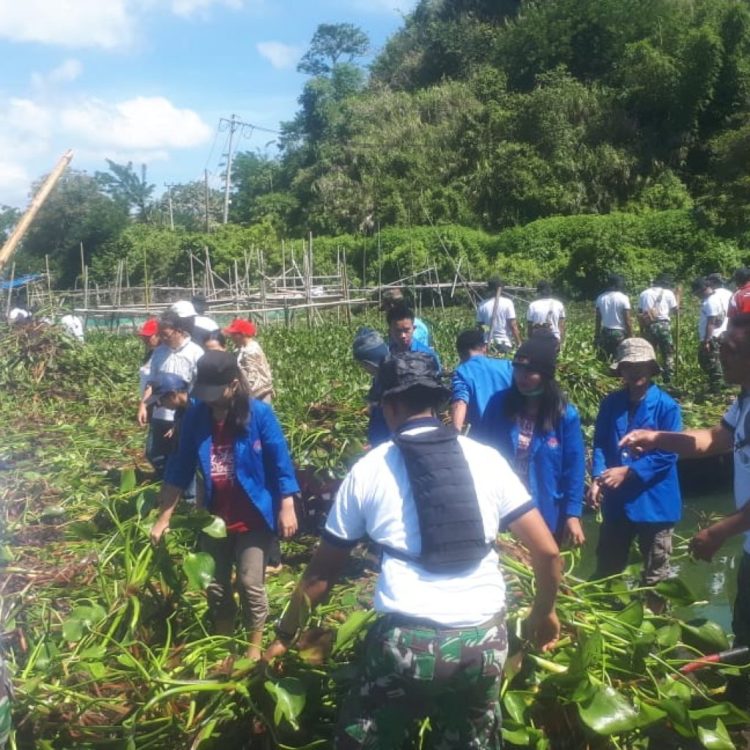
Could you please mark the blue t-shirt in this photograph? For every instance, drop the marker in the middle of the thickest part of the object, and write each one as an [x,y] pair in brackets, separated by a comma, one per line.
[477,380]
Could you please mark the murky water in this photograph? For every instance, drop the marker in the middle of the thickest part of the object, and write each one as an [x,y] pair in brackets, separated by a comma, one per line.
[714,583]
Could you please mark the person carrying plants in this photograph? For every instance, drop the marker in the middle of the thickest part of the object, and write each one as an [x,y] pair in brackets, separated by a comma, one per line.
[497,316]
[730,435]
[613,323]
[476,379]
[251,358]
[401,333]
[435,501]
[369,351]
[248,481]
[539,433]
[711,324]
[546,314]
[639,495]
[656,306]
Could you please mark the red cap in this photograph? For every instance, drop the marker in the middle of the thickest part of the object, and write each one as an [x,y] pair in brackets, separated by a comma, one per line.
[238,325]
[149,328]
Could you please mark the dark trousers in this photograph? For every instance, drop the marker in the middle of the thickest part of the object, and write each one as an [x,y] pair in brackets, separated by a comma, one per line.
[654,543]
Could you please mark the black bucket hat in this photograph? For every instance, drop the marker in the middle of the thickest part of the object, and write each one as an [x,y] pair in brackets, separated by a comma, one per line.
[406,370]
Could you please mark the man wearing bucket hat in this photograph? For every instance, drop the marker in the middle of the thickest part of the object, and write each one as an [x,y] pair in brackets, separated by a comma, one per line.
[251,358]
[730,435]
[639,495]
[434,500]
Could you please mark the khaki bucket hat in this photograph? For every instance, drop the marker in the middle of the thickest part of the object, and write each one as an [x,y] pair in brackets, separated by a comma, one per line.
[635,350]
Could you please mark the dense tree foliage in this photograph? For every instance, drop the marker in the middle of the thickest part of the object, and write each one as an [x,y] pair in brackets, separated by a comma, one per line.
[502,117]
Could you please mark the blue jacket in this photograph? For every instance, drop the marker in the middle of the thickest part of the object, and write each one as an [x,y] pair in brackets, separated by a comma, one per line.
[421,332]
[652,493]
[557,464]
[262,463]
[477,380]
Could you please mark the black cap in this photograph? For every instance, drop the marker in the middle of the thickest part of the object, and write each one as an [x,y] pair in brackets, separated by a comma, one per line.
[540,353]
[406,370]
[215,371]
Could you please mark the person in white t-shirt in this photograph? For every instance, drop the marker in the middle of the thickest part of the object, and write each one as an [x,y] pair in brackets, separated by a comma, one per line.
[613,323]
[656,306]
[497,315]
[546,314]
[440,582]
[73,326]
[723,294]
[711,324]
[730,435]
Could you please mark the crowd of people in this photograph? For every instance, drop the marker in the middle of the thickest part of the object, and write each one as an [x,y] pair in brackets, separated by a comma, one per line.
[433,496]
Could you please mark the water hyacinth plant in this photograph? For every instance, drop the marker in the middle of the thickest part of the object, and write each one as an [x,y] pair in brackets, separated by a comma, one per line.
[107,639]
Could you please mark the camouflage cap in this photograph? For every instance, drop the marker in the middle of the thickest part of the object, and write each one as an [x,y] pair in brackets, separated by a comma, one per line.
[634,350]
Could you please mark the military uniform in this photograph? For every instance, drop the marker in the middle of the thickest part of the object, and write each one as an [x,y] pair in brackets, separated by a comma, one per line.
[438,648]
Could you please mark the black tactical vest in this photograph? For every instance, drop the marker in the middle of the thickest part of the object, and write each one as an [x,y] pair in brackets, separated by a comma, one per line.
[450,522]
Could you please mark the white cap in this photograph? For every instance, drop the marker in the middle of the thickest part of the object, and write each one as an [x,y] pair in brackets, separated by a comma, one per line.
[183,309]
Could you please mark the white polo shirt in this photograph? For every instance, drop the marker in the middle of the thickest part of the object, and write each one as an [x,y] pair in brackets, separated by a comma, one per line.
[737,419]
[375,499]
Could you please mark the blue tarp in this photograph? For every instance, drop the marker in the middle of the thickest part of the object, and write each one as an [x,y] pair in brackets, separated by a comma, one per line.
[21,281]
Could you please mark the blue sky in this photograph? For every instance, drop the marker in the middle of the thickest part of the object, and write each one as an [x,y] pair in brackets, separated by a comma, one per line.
[147,80]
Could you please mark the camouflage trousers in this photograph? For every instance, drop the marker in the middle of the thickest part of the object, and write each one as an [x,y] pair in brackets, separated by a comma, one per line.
[608,341]
[659,333]
[710,363]
[412,671]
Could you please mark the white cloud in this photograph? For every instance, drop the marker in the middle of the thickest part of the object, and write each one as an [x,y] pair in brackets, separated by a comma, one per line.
[70,23]
[66,72]
[281,56]
[14,183]
[188,8]
[143,123]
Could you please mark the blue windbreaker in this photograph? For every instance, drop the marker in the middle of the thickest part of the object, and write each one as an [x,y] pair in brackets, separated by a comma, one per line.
[262,463]
[557,464]
[652,493]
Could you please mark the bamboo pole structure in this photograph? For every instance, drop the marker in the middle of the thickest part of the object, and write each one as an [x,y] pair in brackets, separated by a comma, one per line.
[20,230]
[10,289]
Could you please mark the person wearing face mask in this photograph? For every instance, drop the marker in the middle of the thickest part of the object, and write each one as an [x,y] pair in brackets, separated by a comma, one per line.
[639,494]
[248,481]
[539,433]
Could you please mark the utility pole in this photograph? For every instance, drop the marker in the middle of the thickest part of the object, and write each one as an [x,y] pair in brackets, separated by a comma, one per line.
[169,186]
[233,124]
[205,183]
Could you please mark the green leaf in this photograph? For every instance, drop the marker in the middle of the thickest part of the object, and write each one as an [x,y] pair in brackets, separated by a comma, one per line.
[127,480]
[515,704]
[608,712]
[668,635]
[6,554]
[217,529]
[632,614]
[648,715]
[518,736]
[5,720]
[676,590]
[199,568]
[355,623]
[705,635]
[80,620]
[715,737]
[289,695]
